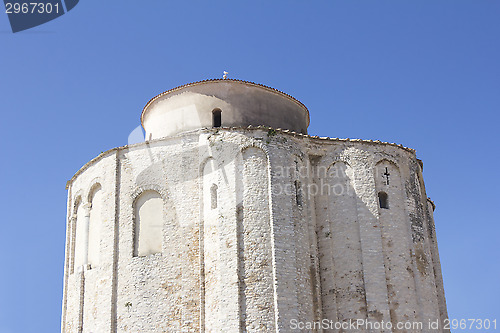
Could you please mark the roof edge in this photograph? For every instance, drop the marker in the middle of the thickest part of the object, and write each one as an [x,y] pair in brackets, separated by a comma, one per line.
[279,130]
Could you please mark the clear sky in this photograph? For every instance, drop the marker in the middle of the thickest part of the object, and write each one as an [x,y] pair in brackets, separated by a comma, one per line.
[423,73]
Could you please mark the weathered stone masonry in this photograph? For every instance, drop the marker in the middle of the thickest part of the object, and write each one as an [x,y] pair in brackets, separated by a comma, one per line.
[246,229]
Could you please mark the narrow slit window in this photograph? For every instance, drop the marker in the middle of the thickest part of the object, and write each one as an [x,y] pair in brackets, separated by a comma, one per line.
[383,200]
[298,193]
[217,118]
[213,191]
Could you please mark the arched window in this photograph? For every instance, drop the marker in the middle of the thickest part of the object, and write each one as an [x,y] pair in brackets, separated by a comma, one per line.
[76,242]
[148,221]
[213,194]
[383,200]
[81,236]
[217,117]
[96,200]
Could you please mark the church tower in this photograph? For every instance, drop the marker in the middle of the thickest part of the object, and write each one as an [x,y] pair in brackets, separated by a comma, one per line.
[231,218]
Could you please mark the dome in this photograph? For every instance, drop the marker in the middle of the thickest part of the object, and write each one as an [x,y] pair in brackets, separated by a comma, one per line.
[222,103]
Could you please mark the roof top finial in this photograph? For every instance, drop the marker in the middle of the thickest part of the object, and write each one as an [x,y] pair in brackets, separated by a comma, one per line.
[225,75]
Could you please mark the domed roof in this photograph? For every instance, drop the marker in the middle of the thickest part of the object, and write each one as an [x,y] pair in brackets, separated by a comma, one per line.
[239,103]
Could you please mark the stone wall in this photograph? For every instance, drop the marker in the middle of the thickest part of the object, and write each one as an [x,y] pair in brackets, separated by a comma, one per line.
[260,227]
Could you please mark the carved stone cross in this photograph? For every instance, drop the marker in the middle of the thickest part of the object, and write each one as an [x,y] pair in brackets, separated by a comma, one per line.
[387,174]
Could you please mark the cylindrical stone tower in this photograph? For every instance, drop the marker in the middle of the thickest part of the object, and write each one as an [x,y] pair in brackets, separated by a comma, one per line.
[230,218]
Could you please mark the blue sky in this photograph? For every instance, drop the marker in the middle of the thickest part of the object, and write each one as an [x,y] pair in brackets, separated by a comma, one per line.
[423,73]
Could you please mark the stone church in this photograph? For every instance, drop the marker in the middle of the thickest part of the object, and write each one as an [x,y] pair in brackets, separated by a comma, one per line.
[231,218]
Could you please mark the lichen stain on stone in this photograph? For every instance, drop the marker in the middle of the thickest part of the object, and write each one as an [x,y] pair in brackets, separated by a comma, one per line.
[392,313]
[191,304]
[408,268]
[170,288]
[421,259]
[379,316]
[430,224]
[193,253]
[312,281]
